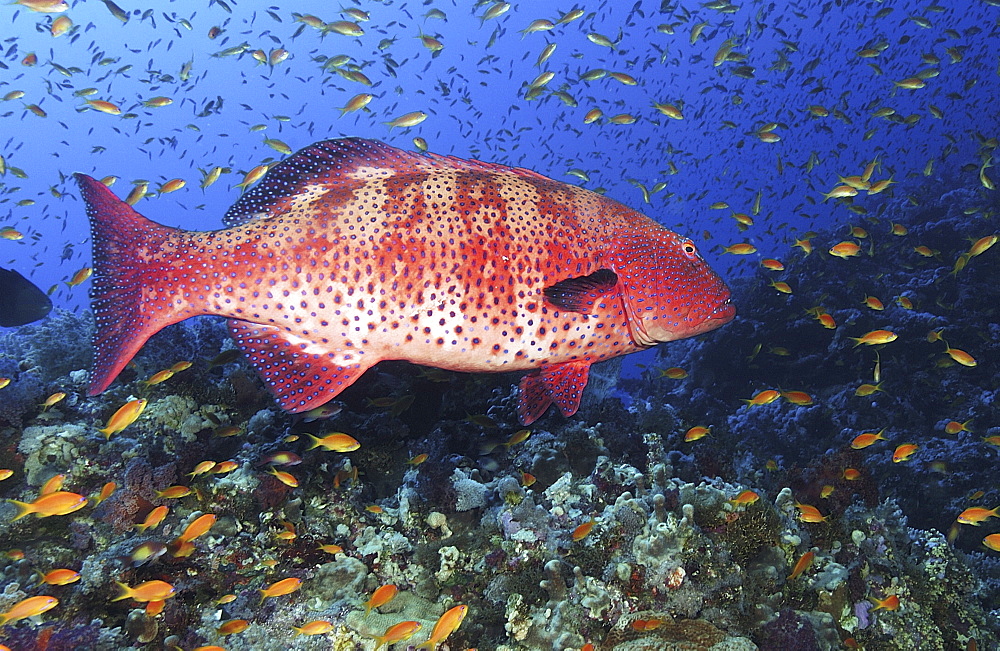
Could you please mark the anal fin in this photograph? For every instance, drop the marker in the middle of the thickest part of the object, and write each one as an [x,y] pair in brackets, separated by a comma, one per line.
[299,378]
[562,384]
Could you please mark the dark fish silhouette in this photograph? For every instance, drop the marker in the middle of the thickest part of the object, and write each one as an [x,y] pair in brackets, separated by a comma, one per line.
[21,301]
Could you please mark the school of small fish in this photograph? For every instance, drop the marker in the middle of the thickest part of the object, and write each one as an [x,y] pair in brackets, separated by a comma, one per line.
[747,126]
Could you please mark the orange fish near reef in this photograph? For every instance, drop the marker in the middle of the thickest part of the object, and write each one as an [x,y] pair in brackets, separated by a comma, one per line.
[148,591]
[56,503]
[350,252]
[889,603]
[28,608]
[801,565]
[446,624]
[380,597]
[397,633]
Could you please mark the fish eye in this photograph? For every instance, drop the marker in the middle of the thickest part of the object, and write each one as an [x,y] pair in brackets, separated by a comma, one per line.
[690,250]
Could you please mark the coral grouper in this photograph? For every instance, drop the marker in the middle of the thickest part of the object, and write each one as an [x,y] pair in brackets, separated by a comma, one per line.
[350,252]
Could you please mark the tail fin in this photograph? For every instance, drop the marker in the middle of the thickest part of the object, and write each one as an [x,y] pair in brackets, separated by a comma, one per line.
[126,246]
[23,509]
[124,592]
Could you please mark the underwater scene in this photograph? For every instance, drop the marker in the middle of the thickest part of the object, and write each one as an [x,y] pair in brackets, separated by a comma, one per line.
[494,325]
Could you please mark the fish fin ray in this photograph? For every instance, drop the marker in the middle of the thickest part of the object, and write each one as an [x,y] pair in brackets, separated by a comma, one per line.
[334,169]
[324,169]
[562,384]
[468,165]
[299,380]
[533,399]
[121,239]
[581,293]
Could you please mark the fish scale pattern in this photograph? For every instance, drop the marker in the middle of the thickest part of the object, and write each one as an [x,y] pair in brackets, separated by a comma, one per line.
[351,252]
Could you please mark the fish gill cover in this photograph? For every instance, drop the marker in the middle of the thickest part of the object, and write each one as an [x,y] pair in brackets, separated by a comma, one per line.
[816,474]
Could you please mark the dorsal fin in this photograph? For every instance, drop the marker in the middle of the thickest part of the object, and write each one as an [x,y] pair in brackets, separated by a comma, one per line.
[341,166]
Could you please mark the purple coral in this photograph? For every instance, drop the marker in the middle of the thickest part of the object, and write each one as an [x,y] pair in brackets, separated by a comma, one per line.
[136,494]
[789,632]
[861,612]
[55,636]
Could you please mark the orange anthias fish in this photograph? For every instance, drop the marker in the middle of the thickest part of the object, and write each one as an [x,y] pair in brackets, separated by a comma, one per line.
[697,432]
[57,503]
[862,441]
[745,497]
[317,627]
[457,264]
[44,6]
[380,597]
[335,442]
[148,591]
[125,416]
[874,338]
[61,576]
[233,626]
[28,608]
[446,624]
[198,527]
[889,603]
[397,633]
[904,451]
[765,397]
[809,513]
[153,519]
[977,514]
[280,588]
[583,530]
[801,565]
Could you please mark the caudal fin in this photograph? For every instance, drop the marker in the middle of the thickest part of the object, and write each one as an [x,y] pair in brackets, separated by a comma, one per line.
[23,509]
[125,248]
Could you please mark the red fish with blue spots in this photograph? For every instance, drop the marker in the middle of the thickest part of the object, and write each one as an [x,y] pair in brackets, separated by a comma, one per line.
[351,252]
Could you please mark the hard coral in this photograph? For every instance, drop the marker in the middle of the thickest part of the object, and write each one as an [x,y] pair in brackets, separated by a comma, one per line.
[756,528]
